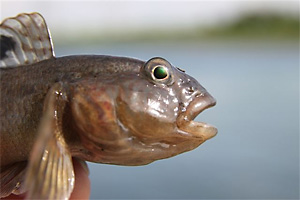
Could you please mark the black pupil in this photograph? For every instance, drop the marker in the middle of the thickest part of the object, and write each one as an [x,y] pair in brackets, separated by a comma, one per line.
[160,73]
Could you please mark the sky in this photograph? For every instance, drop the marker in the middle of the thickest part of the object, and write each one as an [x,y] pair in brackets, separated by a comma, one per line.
[132,15]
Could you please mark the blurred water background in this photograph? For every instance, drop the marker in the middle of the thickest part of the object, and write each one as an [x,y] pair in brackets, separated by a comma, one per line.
[246,54]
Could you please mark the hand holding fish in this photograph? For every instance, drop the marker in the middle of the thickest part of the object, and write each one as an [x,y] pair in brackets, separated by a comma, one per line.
[103,109]
[82,183]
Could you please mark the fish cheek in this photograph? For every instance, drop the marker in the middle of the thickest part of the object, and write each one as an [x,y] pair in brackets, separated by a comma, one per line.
[94,118]
[143,125]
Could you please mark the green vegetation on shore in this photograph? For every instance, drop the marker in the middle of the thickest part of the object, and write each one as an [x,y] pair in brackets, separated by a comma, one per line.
[249,27]
[259,27]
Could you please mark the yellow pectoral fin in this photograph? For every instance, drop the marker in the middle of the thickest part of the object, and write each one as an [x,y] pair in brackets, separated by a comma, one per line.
[50,173]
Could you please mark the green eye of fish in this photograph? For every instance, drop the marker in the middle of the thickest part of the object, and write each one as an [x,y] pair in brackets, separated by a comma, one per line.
[160,72]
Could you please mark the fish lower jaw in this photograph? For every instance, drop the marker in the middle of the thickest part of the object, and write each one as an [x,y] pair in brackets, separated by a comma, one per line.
[197,130]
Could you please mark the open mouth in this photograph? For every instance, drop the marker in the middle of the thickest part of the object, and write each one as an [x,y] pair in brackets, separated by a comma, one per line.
[198,130]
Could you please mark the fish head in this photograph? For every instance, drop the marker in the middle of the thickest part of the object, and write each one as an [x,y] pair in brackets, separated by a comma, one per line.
[144,116]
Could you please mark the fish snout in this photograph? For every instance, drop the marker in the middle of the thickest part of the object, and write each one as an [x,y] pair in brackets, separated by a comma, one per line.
[198,130]
[201,102]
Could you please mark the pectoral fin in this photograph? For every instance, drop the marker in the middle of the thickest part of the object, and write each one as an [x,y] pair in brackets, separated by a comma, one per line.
[50,173]
[12,178]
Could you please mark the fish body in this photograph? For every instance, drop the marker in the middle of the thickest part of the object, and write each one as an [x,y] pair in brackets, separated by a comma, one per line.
[102,109]
[27,86]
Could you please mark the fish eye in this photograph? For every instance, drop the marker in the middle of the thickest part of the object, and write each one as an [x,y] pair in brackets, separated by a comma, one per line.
[160,72]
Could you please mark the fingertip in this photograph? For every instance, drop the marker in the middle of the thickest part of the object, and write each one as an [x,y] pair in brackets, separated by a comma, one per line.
[82,182]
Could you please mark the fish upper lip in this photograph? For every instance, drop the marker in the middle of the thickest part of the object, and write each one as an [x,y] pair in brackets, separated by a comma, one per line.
[198,105]
[198,130]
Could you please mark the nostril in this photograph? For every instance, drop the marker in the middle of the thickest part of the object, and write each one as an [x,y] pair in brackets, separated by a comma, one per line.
[190,89]
[199,94]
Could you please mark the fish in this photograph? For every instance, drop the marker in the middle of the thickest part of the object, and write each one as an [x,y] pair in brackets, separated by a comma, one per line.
[96,108]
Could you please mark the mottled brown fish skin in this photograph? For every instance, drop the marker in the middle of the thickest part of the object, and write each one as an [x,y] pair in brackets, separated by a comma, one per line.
[136,118]
[23,89]
[102,109]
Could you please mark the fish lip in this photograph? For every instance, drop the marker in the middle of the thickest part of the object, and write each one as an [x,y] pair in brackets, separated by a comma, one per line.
[200,103]
[197,130]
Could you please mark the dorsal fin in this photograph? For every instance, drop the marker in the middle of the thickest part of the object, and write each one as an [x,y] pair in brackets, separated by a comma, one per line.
[24,39]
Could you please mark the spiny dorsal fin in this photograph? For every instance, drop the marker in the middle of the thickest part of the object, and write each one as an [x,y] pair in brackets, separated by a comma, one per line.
[24,39]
